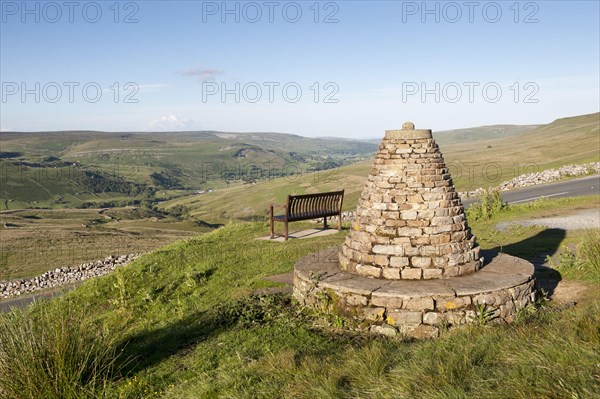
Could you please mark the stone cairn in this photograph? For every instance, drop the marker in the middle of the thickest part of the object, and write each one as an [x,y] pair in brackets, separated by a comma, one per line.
[410,223]
[410,263]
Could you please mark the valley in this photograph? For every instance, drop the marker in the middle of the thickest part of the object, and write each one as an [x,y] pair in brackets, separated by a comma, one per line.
[72,197]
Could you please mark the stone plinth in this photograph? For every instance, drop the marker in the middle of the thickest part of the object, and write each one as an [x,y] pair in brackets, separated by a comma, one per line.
[415,308]
[410,223]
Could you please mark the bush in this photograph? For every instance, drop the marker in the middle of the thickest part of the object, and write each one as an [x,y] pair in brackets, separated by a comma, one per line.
[54,354]
[489,204]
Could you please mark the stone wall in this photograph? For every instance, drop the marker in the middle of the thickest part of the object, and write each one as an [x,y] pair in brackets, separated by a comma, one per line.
[64,276]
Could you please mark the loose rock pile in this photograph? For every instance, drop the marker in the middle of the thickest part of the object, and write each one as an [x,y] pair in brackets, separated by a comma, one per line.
[471,194]
[64,275]
[550,175]
[346,217]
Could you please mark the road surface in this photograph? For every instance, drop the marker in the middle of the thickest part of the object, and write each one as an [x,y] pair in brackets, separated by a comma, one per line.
[589,185]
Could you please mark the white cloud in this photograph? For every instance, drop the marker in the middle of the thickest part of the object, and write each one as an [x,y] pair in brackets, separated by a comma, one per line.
[5,129]
[203,74]
[169,122]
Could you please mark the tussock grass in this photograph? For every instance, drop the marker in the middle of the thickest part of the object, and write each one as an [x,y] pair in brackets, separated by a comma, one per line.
[582,262]
[46,353]
[588,253]
[489,204]
[529,360]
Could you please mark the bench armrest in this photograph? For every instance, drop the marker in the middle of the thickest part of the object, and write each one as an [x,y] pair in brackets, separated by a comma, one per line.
[278,206]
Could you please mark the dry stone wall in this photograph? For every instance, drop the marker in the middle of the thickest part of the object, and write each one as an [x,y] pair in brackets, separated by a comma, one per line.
[63,276]
[550,175]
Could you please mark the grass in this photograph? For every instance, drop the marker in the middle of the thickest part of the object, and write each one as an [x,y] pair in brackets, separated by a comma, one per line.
[489,204]
[70,357]
[531,241]
[584,261]
[186,326]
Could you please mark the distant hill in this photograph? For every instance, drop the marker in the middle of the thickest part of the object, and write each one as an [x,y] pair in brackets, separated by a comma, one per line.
[471,134]
[499,154]
[481,133]
[247,170]
[86,168]
[566,140]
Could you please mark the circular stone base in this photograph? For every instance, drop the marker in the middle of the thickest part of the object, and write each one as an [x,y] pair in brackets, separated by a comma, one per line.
[417,308]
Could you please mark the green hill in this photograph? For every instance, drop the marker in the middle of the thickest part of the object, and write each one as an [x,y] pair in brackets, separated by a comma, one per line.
[481,133]
[58,169]
[103,169]
[500,156]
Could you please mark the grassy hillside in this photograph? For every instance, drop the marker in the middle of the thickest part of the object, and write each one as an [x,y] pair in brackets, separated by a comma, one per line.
[180,323]
[248,201]
[481,133]
[564,141]
[66,169]
[473,163]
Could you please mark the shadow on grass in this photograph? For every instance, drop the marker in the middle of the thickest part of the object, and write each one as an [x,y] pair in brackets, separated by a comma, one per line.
[180,337]
[202,223]
[152,346]
[536,249]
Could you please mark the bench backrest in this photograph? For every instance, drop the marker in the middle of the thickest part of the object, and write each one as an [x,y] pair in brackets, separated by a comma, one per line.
[324,204]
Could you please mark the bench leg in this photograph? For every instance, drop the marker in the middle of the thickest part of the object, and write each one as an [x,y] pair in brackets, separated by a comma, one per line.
[271,230]
[325,223]
[286,230]
[340,222]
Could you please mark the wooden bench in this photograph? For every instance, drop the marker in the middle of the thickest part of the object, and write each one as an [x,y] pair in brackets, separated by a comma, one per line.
[309,206]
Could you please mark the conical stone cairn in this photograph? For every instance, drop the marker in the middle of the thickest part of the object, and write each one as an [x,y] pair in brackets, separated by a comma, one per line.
[410,223]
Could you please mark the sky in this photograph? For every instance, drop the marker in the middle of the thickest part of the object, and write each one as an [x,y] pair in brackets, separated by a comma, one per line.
[339,69]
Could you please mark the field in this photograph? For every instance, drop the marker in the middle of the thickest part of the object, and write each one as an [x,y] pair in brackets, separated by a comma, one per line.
[34,241]
[181,323]
[473,163]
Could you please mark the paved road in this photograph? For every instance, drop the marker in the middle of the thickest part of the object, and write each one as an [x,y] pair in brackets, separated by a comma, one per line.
[24,300]
[589,185]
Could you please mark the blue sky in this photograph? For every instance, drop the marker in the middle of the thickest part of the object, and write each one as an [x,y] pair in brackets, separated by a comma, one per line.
[353,70]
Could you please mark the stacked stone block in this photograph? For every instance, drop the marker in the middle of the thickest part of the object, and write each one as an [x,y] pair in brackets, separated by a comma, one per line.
[415,308]
[410,223]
